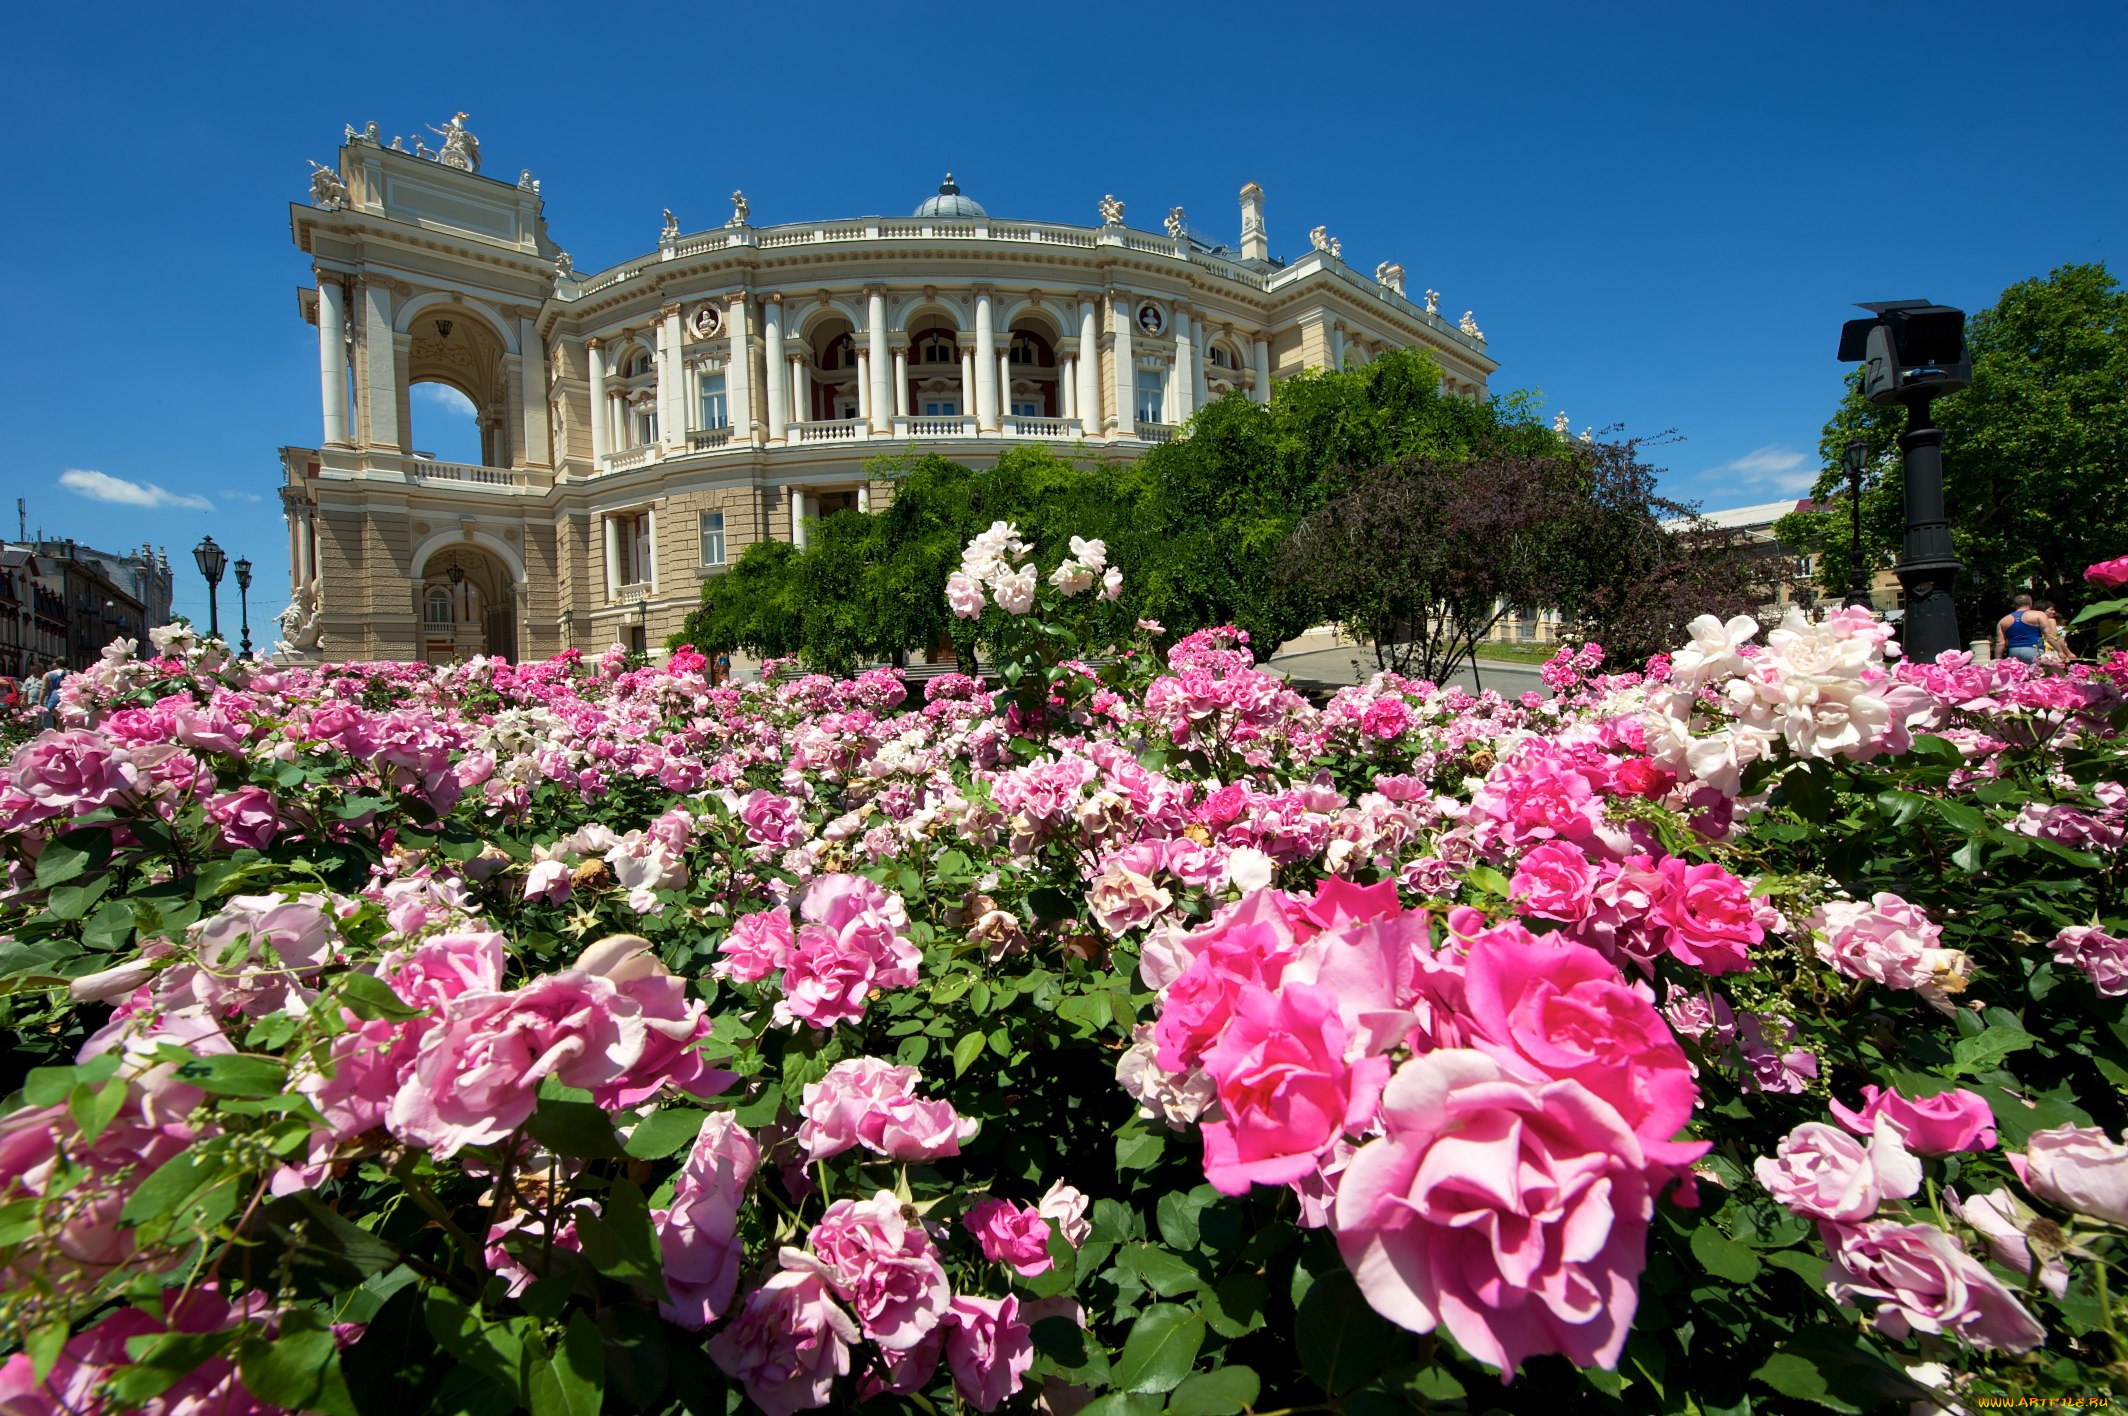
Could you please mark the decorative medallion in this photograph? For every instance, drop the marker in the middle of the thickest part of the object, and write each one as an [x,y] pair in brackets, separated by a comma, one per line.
[1150,318]
[705,322]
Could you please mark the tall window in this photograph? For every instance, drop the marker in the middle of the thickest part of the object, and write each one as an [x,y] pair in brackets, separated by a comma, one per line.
[646,425]
[440,606]
[938,350]
[714,412]
[712,538]
[1152,390]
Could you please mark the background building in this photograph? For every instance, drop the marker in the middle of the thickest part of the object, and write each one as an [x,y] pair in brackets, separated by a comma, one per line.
[62,602]
[642,425]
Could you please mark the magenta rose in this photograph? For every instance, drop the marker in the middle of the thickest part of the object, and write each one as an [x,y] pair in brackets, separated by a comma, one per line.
[1704,917]
[1510,1211]
[1554,881]
[1923,1281]
[1010,1235]
[989,1350]
[772,821]
[2078,1168]
[1821,1172]
[788,1344]
[877,1258]
[826,982]
[759,944]
[1956,1120]
[1286,1089]
[2109,575]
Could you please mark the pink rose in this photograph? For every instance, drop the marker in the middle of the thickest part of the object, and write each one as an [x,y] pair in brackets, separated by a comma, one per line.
[788,1344]
[1704,917]
[825,983]
[1554,881]
[70,772]
[2102,956]
[2002,1219]
[1513,1212]
[1924,1282]
[869,1102]
[772,821]
[1010,1235]
[246,816]
[697,1233]
[1286,1089]
[864,920]
[1821,1172]
[1956,1120]
[988,1348]
[1564,1009]
[877,1258]
[964,594]
[2109,575]
[673,1025]
[2078,1168]
[1884,940]
[1067,1207]
[759,944]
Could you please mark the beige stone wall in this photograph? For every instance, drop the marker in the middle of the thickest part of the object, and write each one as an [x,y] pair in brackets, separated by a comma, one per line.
[1289,354]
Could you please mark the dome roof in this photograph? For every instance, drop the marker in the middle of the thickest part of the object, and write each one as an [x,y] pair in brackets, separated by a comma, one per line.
[951,204]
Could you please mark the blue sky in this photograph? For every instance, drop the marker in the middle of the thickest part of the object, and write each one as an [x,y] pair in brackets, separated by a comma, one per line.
[1660,214]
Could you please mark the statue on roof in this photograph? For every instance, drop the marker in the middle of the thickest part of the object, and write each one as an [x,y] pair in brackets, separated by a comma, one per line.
[460,148]
[327,191]
[1319,238]
[1390,275]
[1433,302]
[741,210]
[1111,211]
[1559,424]
[671,232]
[1174,223]
[564,268]
[1470,327]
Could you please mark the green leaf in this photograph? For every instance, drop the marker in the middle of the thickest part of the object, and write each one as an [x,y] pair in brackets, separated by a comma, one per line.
[48,1086]
[1139,1149]
[299,1370]
[231,1074]
[1160,1271]
[1234,1306]
[73,901]
[163,1359]
[664,1133]
[1121,1403]
[1161,1347]
[1722,1256]
[573,1383]
[370,997]
[44,1344]
[170,1185]
[620,1242]
[1839,1370]
[966,1051]
[1220,1393]
[1177,1216]
[574,1128]
[1491,881]
[94,1106]
[110,928]
[72,854]
[1341,1340]
[1980,1054]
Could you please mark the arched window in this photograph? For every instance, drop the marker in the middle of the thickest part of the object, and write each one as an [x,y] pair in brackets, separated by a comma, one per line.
[937,346]
[440,606]
[638,364]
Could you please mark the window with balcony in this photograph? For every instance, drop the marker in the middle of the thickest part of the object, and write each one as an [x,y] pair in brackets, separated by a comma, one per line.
[439,609]
[1152,395]
[1026,409]
[712,538]
[846,409]
[715,413]
[646,425]
[942,408]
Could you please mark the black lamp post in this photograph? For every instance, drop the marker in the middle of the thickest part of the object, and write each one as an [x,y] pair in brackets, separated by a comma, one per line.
[210,560]
[1856,460]
[1913,353]
[243,595]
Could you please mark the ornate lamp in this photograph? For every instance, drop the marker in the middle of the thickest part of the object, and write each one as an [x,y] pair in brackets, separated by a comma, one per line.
[243,591]
[1855,460]
[210,560]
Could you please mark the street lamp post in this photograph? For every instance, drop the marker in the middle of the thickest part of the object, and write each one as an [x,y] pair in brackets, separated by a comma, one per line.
[243,594]
[210,560]
[1857,578]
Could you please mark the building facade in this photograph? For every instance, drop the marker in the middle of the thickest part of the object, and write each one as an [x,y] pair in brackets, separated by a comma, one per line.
[61,602]
[642,425]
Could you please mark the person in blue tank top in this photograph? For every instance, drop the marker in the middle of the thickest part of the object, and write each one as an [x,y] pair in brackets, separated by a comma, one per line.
[2020,633]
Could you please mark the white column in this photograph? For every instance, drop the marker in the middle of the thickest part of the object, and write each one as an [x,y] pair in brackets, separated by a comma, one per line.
[601,406]
[986,394]
[306,544]
[613,558]
[864,384]
[1337,347]
[864,497]
[1068,387]
[672,423]
[739,374]
[1125,375]
[801,391]
[1183,394]
[332,357]
[650,535]
[380,381]
[882,363]
[901,381]
[1089,367]
[1201,391]
[772,340]
[1004,382]
[798,518]
[536,449]
[1263,371]
[967,382]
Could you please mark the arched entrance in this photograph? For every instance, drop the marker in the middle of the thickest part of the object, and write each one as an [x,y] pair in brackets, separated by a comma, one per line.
[467,605]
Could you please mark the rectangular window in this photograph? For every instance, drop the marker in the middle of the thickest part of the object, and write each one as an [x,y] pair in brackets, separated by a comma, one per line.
[1026,410]
[942,408]
[712,538]
[1152,389]
[714,412]
[848,410]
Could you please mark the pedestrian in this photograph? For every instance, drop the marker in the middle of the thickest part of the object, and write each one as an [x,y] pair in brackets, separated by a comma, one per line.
[723,668]
[2054,646]
[2021,632]
[49,698]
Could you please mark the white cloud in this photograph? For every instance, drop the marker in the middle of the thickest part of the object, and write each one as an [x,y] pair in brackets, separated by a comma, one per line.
[240,496]
[101,486]
[445,397]
[1774,469]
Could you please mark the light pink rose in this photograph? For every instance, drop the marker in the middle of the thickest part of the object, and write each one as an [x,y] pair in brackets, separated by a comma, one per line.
[988,1348]
[66,773]
[1554,881]
[1956,1120]
[964,594]
[1885,939]
[674,1025]
[788,1344]
[697,1232]
[1067,1207]
[42,1154]
[1122,899]
[1924,1282]
[825,982]
[548,880]
[1821,1172]
[2078,1168]
[1286,1089]
[759,944]
[772,821]
[1018,1238]
[1512,1212]
[246,817]
[2001,1218]
[76,1382]
[870,1102]
[2102,956]
[878,1259]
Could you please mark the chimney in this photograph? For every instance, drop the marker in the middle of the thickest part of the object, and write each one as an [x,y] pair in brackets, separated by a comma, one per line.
[1255,245]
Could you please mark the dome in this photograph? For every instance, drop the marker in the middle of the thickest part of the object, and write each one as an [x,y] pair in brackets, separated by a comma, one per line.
[950,204]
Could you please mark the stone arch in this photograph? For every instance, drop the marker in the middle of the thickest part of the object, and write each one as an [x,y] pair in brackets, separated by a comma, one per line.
[1049,318]
[937,308]
[477,612]
[419,305]
[452,343]
[831,340]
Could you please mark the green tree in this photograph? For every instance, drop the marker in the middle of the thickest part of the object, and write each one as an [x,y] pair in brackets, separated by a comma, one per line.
[2035,453]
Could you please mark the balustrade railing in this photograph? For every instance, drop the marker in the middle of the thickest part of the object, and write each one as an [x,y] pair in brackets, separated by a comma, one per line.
[835,430]
[1017,426]
[429,471]
[934,427]
[706,439]
[631,457]
[1156,432]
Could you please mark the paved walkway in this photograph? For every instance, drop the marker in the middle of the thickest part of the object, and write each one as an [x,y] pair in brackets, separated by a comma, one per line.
[1355,663]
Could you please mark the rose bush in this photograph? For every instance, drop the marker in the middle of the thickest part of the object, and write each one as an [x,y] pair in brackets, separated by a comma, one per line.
[1736,1033]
